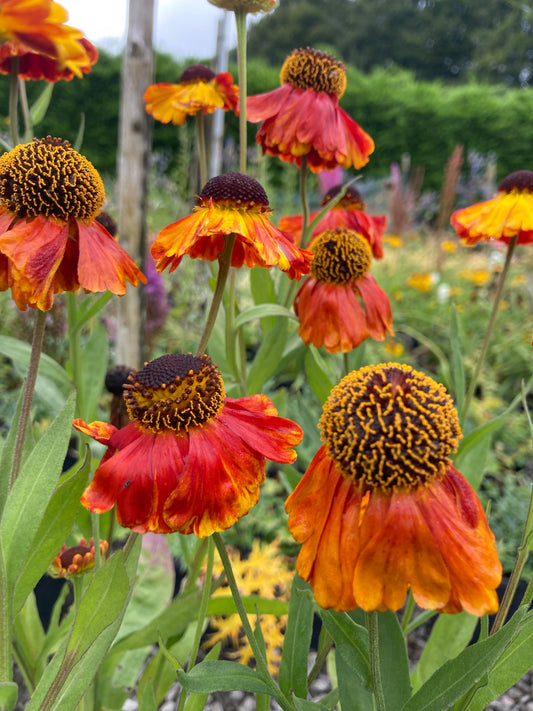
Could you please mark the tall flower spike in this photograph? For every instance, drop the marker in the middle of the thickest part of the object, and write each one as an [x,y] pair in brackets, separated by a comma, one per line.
[381,509]
[35,32]
[303,116]
[230,204]
[340,304]
[191,459]
[199,89]
[509,214]
[348,213]
[50,241]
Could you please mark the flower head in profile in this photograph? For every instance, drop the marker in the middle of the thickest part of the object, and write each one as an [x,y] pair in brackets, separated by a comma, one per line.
[509,214]
[381,509]
[347,213]
[35,34]
[50,241]
[230,204]
[191,459]
[76,560]
[252,6]
[199,89]
[340,304]
[303,117]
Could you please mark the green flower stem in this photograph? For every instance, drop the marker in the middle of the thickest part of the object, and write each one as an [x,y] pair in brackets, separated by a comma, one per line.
[372,622]
[408,611]
[490,327]
[202,612]
[320,660]
[518,569]
[419,620]
[305,204]
[202,152]
[240,22]
[224,262]
[28,127]
[95,527]
[129,544]
[74,348]
[13,101]
[27,398]
[195,565]
[260,661]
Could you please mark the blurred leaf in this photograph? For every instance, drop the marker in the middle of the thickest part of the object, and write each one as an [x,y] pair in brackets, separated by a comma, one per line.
[9,692]
[267,357]
[90,308]
[26,504]
[28,638]
[457,676]
[297,640]
[225,605]
[147,701]
[39,108]
[93,366]
[262,310]
[52,532]
[457,366]
[351,642]
[304,705]
[319,373]
[449,636]
[209,676]
[263,292]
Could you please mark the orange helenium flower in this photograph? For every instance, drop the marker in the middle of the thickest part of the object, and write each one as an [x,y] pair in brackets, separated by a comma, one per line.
[509,214]
[230,204]
[303,117]
[198,89]
[327,303]
[192,460]
[347,213]
[381,509]
[50,240]
[35,32]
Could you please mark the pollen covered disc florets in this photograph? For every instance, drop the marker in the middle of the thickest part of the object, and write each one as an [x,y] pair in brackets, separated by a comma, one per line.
[520,180]
[313,69]
[175,392]
[390,427]
[197,72]
[351,199]
[49,178]
[235,190]
[339,256]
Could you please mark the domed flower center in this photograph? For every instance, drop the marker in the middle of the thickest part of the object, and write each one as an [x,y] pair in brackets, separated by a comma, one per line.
[339,256]
[520,180]
[390,427]
[234,190]
[196,72]
[313,69]
[174,392]
[49,178]
[351,199]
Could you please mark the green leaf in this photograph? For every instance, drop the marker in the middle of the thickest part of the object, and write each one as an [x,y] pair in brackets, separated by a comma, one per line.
[393,660]
[449,636]
[319,373]
[457,366]
[263,292]
[89,309]
[20,351]
[304,705]
[8,695]
[225,605]
[353,696]
[94,359]
[209,676]
[147,701]
[6,458]
[267,357]
[262,310]
[39,108]
[52,533]
[351,641]
[457,676]
[29,497]
[196,702]
[297,640]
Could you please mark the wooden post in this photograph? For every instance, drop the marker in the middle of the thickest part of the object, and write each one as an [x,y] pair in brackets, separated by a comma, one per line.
[134,144]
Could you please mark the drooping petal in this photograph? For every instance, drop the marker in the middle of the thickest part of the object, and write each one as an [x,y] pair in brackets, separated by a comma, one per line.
[377,308]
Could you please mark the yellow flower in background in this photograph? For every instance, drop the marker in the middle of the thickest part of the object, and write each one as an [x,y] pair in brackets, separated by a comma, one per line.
[448,245]
[393,348]
[518,280]
[421,281]
[264,572]
[394,241]
[479,277]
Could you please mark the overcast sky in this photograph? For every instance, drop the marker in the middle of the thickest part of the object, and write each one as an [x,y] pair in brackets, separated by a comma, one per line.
[185,28]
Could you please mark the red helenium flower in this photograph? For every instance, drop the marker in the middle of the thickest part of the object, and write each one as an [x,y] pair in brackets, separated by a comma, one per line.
[198,89]
[35,32]
[230,204]
[347,213]
[340,304]
[381,509]
[303,117]
[509,214]
[192,460]
[50,241]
